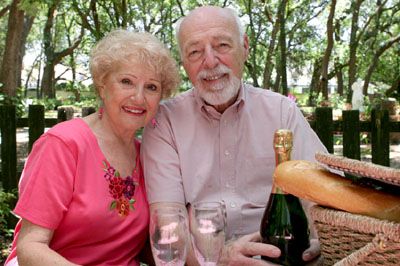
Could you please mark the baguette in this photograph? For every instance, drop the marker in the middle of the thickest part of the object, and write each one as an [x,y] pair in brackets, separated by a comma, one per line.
[309,180]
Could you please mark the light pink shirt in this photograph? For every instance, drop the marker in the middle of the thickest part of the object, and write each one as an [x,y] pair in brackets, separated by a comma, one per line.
[196,154]
[63,188]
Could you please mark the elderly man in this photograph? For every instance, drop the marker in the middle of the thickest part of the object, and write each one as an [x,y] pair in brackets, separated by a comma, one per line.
[214,142]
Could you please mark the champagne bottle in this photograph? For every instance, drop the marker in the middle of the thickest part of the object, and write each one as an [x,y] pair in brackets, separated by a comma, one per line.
[284,223]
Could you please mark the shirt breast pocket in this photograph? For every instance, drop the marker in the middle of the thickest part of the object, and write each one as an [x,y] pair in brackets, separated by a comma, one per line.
[258,179]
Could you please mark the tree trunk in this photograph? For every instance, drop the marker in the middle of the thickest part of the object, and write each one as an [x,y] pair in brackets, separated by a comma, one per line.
[339,78]
[75,89]
[47,85]
[28,22]
[53,57]
[314,90]
[355,7]
[395,87]
[72,64]
[269,66]
[251,62]
[282,45]
[39,94]
[10,73]
[277,82]
[375,60]
[35,62]
[90,18]
[252,73]
[325,62]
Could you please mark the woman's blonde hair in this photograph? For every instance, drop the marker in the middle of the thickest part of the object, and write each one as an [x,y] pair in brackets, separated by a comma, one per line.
[121,46]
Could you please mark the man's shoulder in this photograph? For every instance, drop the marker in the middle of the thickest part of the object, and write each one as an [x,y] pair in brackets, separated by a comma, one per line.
[182,100]
[260,93]
[179,107]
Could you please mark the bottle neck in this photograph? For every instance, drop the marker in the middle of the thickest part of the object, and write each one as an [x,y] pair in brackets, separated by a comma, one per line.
[277,190]
[280,157]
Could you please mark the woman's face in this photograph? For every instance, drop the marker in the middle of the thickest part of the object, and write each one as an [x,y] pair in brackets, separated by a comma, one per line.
[131,94]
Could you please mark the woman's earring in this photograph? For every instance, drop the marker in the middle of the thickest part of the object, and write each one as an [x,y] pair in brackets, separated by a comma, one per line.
[101,111]
[154,122]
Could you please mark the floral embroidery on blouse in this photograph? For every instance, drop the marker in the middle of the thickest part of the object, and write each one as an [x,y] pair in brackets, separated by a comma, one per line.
[121,189]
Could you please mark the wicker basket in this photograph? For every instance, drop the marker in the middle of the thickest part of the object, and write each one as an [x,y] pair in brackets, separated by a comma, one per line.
[350,239]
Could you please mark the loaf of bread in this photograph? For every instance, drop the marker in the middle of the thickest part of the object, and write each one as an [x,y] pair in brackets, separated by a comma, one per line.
[309,180]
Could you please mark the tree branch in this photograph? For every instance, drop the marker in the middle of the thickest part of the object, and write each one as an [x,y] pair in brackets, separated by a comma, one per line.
[60,55]
[4,10]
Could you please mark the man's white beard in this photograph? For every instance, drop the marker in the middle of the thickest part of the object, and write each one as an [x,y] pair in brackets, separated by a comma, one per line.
[222,91]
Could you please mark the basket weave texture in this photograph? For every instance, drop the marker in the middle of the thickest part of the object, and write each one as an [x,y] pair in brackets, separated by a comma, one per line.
[351,239]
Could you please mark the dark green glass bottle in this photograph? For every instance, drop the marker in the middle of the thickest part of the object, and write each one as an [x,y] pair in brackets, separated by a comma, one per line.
[284,223]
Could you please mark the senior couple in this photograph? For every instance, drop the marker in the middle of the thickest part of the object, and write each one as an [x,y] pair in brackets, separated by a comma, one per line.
[82,194]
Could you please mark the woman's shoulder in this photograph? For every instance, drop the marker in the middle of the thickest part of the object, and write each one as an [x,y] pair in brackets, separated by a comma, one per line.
[69,129]
[71,132]
[66,127]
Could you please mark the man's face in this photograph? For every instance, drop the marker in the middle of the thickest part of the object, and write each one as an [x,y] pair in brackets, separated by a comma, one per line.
[213,55]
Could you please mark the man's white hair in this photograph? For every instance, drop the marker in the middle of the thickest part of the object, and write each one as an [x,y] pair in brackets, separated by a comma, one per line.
[231,11]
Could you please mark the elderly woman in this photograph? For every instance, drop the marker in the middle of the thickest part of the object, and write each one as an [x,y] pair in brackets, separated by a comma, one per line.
[82,198]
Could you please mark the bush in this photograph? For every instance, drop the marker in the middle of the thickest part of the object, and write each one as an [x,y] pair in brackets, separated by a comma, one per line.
[48,103]
[18,100]
[6,234]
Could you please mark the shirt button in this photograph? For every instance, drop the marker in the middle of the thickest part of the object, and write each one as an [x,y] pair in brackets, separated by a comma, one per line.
[233,205]
[226,152]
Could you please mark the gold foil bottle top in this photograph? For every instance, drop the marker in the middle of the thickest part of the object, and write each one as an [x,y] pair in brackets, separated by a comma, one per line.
[283,143]
[283,139]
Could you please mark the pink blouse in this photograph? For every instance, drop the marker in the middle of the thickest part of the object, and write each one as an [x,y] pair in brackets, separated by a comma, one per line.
[67,186]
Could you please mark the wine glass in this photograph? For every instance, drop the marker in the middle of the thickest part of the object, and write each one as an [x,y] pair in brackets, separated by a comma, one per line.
[169,236]
[207,227]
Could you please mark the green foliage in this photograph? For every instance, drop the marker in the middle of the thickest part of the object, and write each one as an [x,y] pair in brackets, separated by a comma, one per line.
[49,103]
[67,94]
[305,32]
[375,101]
[18,100]
[364,139]
[5,209]
[337,101]
[337,139]
[369,105]
[52,104]
[86,101]
[301,99]
[6,199]
[32,7]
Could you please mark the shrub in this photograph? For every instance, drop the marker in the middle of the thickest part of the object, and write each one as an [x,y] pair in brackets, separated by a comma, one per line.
[18,100]
[6,234]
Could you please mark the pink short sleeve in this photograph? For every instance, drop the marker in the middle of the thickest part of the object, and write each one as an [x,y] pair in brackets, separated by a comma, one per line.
[47,182]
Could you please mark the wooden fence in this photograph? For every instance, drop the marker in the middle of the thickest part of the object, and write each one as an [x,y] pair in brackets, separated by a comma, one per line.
[36,123]
[350,126]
